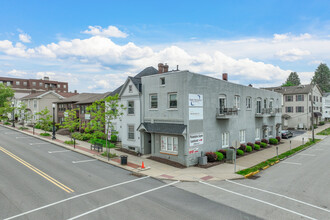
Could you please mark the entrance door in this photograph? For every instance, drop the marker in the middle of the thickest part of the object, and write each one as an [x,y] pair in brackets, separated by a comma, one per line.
[147,143]
[222,104]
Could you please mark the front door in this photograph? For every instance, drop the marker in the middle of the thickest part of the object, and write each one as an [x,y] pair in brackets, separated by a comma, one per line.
[147,143]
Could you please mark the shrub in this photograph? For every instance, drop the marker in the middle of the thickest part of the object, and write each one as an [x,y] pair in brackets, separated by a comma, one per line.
[211,157]
[264,140]
[273,141]
[113,138]
[45,134]
[250,144]
[278,138]
[257,147]
[321,123]
[263,145]
[248,148]
[242,147]
[240,152]
[257,142]
[6,123]
[110,154]
[82,130]
[68,142]
[219,156]
[223,151]
[23,128]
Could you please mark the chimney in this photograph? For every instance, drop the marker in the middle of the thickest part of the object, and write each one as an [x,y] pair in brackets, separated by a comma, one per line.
[75,91]
[46,78]
[177,67]
[225,76]
[250,85]
[165,68]
[160,68]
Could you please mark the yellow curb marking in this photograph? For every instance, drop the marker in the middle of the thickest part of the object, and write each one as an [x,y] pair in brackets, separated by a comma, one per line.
[36,170]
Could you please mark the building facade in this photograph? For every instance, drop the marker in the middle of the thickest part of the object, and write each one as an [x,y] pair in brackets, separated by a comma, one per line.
[297,105]
[326,106]
[185,114]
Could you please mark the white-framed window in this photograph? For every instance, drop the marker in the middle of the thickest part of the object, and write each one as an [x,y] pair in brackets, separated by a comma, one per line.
[40,84]
[270,131]
[300,98]
[131,133]
[257,133]
[153,101]
[18,83]
[242,136]
[58,85]
[35,104]
[300,109]
[169,144]
[162,81]
[64,86]
[259,106]
[25,83]
[8,83]
[225,139]
[172,100]
[289,98]
[237,101]
[130,88]
[130,107]
[271,101]
[46,85]
[289,109]
[248,102]
[34,83]
[265,103]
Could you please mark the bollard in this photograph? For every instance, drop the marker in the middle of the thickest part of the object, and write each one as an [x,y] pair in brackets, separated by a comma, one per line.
[290,145]
[74,143]
[277,151]
[33,129]
[303,141]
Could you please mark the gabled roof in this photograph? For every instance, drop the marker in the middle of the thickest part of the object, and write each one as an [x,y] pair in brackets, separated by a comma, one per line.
[39,95]
[288,90]
[78,97]
[93,98]
[137,79]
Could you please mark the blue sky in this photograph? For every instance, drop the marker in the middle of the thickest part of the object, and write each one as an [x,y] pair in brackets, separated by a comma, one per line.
[95,45]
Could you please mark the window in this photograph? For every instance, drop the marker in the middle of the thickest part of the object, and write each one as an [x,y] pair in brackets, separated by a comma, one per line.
[130,108]
[321,99]
[271,103]
[299,98]
[169,144]
[46,85]
[25,83]
[257,133]
[83,109]
[8,83]
[265,103]
[173,102]
[320,109]
[289,109]
[310,109]
[248,102]
[40,84]
[162,81]
[289,98]
[237,101]
[58,85]
[299,109]
[310,97]
[64,86]
[259,106]
[18,83]
[225,139]
[131,132]
[35,104]
[153,101]
[130,88]
[270,131]
[242,136]
[34,83]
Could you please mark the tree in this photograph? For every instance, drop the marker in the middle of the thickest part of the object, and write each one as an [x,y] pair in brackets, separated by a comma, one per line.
[71,121]
[44,119]
[6,93]
[322,77]
[24,113]
[292,80]
[5,110]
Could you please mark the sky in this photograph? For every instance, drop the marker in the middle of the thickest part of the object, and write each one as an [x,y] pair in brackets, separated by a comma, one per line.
[96,45]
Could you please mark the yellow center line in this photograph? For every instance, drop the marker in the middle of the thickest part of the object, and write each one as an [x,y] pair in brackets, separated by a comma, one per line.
[36,170]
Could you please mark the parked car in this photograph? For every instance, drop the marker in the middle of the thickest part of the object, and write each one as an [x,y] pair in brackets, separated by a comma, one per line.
[286,134]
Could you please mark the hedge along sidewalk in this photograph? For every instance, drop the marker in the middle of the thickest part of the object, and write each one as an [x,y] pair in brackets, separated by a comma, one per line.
[265,164]
[324,132]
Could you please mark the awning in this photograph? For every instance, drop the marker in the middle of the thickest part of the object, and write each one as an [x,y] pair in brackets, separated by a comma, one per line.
[317,114]
[286,116]
[163,128]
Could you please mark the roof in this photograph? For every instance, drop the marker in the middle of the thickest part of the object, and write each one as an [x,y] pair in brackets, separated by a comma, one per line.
[287,90]
[163,128]
[40,94]
[93,98]
[79,97]
[137,79]
[67,94]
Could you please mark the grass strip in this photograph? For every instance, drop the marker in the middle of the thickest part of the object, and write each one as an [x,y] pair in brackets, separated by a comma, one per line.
[272,160]
[324,132]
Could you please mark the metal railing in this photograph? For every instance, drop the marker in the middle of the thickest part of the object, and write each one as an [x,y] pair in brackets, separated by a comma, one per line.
[227,111]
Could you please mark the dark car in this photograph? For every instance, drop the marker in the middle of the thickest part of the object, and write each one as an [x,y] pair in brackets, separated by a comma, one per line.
[286,134]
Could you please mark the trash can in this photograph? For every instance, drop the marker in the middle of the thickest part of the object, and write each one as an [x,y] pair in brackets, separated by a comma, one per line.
[123,159]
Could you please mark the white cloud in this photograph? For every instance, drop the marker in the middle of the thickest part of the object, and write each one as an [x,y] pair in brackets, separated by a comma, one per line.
[279,37]
[110,31]
[25,38]
[292,54]
[17,73]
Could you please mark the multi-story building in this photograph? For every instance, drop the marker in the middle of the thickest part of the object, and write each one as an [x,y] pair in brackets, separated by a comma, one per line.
[185,114]
[130,97]
[297,105]
[326,106]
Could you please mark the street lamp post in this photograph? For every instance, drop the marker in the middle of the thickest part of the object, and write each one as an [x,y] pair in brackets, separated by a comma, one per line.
[53,122]
[13,115]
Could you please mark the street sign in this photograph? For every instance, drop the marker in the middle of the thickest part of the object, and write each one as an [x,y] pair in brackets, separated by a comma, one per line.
[236,144]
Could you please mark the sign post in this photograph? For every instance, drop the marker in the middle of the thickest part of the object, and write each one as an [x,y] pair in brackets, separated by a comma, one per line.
[236,145]
[108,139]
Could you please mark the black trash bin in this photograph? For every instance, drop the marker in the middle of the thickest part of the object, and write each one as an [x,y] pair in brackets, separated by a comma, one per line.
[123,159]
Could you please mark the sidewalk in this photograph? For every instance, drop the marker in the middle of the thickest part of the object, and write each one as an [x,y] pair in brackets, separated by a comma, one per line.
[164,171]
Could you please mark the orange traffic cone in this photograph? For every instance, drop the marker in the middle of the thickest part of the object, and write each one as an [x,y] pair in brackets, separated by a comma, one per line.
[142,167]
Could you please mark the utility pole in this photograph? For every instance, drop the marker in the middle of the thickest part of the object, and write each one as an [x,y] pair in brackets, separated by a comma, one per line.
[312,102]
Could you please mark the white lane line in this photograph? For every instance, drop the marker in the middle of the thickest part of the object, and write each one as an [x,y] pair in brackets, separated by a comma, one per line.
[11,133]
[59,151]
[122,200]
[258,200]
[74,197]
[318,149]
[312,155]
[291,163]
[37,143]
[23,137]
[277,194]
[83,161]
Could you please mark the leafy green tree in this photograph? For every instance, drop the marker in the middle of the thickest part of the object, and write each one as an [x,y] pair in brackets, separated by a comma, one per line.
[5,110]
[287,84]
[6,93]
[71,121]
[24,113]
[44,119]
[322,77]
[293,79]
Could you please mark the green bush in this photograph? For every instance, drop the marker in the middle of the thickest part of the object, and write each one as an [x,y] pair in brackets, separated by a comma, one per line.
[273,141]
[263,145]
[6,123]
[321,123]
[114,138]
[110,154]
[103,142]
[220,156]
[45,134]
[240,152]
[257,147]
[68,142]
[248,148]
[23,128]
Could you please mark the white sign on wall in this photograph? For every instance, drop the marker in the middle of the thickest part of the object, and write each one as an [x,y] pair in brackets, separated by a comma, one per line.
[195,100]
[87,116]
[195,113]
[196,139]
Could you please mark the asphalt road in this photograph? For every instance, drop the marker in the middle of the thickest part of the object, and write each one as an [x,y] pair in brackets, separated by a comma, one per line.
[39,180]
[296,188]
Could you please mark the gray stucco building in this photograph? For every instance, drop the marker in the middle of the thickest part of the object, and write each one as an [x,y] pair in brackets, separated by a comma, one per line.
[185,114]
